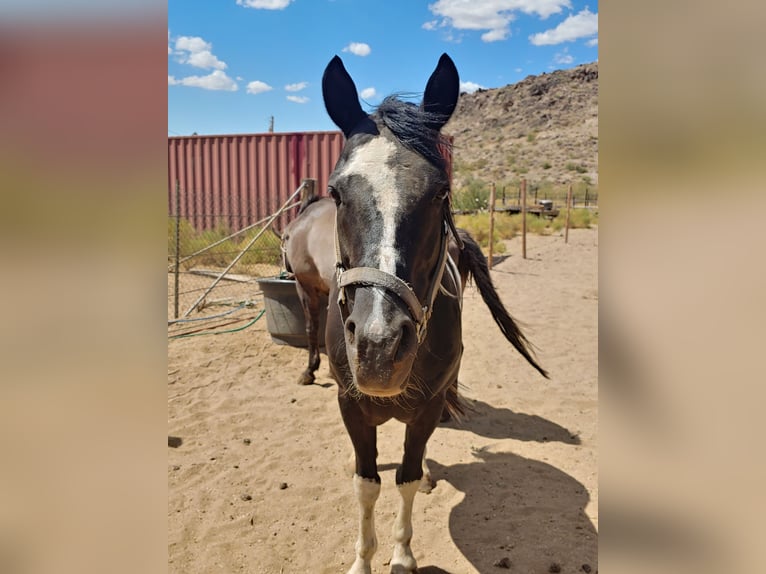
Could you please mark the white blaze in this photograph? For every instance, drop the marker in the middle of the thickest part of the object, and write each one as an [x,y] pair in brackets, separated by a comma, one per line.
[371,162]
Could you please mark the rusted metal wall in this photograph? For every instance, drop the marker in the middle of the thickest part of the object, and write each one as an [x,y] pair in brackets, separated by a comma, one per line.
[240,179]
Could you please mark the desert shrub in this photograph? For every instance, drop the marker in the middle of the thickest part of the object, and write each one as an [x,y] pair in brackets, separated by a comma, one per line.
[473,195]
[477,224]
[578,219]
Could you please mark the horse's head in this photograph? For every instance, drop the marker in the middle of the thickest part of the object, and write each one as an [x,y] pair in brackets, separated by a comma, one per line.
[391,189]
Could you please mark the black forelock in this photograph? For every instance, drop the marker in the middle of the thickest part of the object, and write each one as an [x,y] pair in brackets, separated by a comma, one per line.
[409,124]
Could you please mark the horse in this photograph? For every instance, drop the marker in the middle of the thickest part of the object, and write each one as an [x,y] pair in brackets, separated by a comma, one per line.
[309,256]
[308,248]
[393,333]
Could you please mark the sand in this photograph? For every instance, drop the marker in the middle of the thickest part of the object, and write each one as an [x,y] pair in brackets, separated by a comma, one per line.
[258,474]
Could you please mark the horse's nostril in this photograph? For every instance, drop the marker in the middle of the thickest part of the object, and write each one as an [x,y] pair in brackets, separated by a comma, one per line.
[351,329]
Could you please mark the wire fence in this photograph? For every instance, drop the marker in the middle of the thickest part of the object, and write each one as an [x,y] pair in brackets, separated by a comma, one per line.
[196,258]
[474,195]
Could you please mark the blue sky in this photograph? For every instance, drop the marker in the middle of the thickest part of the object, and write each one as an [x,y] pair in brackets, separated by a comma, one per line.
[232,64]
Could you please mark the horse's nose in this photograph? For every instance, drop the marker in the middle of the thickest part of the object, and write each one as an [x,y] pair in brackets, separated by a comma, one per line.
[393,340]
[382,351]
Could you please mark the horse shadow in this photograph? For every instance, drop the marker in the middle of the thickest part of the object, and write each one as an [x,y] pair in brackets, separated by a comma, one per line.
[488,421]
[518,513]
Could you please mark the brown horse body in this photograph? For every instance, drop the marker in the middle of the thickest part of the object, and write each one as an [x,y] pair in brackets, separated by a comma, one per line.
[308,244]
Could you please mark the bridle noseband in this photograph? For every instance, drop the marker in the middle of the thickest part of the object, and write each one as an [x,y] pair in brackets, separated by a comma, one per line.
[370,276]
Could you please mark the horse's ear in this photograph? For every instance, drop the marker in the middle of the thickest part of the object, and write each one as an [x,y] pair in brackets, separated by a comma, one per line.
[442,92]
[340,97]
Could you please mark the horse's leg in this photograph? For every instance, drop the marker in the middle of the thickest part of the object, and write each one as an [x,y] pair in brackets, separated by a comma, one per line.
[366,484]
[426,483]
[310,303]
[408,480]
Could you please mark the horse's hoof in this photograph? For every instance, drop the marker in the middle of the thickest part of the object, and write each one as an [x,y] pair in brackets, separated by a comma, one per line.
[306,379]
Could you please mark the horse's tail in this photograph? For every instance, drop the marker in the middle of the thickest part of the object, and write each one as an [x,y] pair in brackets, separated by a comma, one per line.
[456,406]
[472,260]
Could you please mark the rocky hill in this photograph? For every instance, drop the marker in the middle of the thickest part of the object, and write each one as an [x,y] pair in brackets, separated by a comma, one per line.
[544,128]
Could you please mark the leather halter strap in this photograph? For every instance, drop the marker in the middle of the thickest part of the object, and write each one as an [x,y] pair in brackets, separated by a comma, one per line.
[371,276]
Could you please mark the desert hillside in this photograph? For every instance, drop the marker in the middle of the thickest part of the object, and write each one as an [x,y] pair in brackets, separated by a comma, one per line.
[544,128]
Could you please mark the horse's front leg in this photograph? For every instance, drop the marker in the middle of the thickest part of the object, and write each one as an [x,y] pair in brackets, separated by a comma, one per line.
[366,484]
[310,303]
[408,481]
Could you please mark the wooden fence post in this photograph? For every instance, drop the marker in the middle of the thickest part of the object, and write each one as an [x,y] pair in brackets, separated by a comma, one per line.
[178,246]
[491,223]
[569,209]
[524,218]
[308,192]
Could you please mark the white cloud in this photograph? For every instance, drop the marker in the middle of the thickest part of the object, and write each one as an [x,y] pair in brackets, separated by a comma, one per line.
[194,51]
[368,93]
[576,26]
[265,4]
[358,49]
[205,60]
[563,57]
[494,16]
[592,43]
[257,87]
[297,87]
[495,35]
[216,80]
[298,99]
[470,87]
[192,44]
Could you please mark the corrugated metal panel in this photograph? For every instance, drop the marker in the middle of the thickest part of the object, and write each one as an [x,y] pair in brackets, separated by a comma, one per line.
[240,179]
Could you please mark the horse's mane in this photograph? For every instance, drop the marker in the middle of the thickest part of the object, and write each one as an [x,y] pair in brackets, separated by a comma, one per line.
[410,125]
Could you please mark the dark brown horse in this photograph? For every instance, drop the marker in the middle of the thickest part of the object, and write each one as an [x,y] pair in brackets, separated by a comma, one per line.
[393,334]
[308,245]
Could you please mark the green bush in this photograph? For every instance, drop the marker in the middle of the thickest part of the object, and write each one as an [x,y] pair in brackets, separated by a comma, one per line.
[477,224]
[472,196]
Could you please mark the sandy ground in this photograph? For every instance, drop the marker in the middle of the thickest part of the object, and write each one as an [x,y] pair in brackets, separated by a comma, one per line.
[257,465]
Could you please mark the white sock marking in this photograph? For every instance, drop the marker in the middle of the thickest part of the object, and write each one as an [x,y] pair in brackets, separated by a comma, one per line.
[367,491]
[402,531]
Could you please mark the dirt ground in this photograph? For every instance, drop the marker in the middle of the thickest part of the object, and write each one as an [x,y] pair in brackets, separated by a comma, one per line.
[257,465]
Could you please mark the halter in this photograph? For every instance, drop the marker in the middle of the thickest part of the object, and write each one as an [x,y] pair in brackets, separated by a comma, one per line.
[370,276]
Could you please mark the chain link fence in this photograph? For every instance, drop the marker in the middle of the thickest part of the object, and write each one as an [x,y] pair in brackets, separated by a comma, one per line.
[197,258]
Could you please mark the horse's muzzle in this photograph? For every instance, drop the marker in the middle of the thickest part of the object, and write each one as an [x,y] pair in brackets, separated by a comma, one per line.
[381,345]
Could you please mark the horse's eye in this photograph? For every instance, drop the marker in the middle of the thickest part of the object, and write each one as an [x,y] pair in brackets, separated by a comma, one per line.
[334,194]
[442,194]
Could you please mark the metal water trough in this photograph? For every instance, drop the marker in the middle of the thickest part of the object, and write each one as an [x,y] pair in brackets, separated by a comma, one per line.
[284,313]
